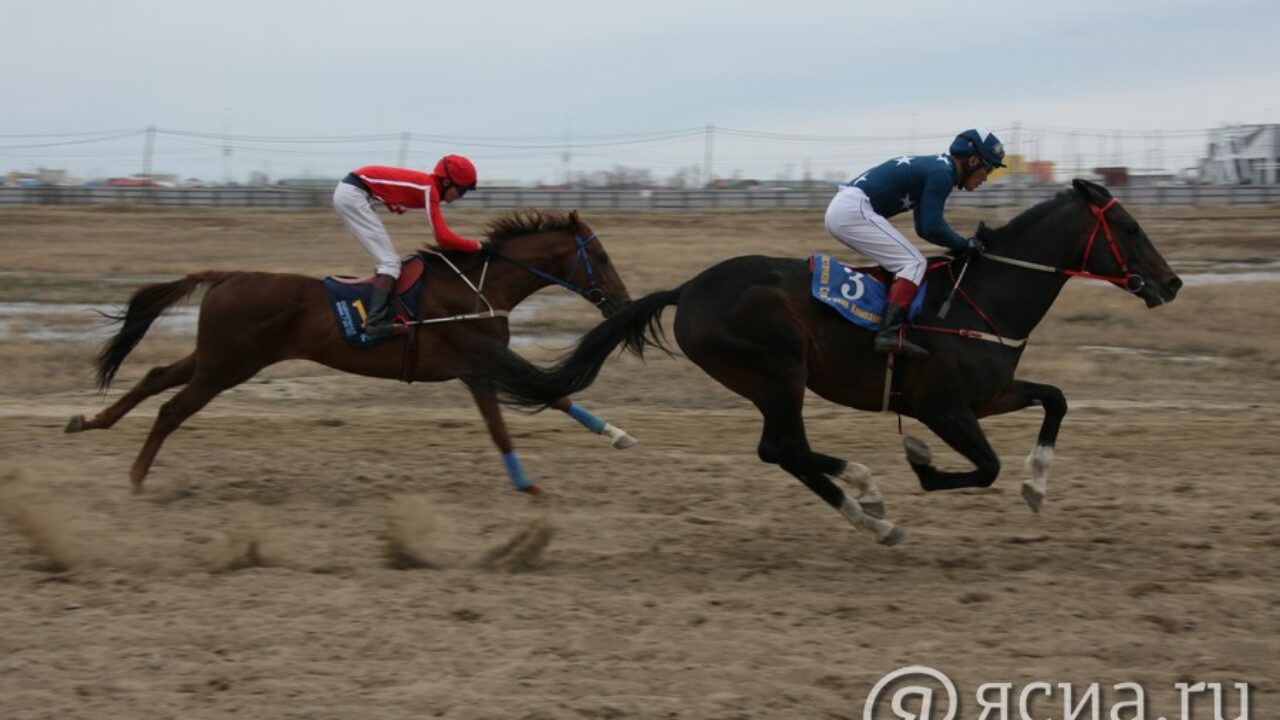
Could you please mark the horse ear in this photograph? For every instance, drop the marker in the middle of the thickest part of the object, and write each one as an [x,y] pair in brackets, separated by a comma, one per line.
[574,220]
[1091,191]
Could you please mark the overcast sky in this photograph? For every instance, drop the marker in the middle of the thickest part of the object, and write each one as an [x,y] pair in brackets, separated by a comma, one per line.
[513,83]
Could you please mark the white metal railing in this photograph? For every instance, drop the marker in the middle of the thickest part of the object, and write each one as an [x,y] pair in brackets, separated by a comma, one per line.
[638,200]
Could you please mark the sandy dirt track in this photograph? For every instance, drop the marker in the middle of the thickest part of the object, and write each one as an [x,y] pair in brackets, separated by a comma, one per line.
[682,578]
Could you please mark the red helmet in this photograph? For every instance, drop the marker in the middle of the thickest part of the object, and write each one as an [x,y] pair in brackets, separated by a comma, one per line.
[457,170]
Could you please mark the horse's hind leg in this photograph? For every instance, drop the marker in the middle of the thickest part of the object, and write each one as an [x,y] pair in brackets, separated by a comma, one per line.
[210,378]
[1021,395]
[619,438]
[173,413]
[783,442]
[157,380]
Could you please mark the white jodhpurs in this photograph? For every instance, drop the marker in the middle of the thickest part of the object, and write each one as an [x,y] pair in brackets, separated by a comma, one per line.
[852,221]
[356,210]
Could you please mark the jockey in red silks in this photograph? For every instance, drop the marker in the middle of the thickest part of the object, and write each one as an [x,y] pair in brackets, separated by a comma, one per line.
[398,190]
[857,217]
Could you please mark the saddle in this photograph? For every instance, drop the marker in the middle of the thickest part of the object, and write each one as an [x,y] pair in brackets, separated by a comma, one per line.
[859,294]
[410,273]
[349,298]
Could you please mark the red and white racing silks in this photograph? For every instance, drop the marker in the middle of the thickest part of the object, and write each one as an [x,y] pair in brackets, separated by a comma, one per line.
[401,189]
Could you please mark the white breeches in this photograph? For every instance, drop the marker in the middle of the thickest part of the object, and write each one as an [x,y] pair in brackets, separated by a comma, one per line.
[852,221]
[356,210]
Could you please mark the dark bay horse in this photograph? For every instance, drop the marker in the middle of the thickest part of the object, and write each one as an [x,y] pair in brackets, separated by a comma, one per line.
[249,320]
[751,323]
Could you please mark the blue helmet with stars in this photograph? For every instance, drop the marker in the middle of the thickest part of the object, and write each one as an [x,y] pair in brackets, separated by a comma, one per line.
[981,142]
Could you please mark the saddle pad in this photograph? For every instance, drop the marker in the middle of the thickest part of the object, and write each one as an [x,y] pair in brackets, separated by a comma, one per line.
[856,294]
[350,308]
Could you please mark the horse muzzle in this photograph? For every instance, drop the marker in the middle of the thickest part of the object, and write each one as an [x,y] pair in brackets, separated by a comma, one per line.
[1155,294]
[608,306]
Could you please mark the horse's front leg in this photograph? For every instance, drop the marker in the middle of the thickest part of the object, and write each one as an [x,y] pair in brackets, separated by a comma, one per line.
[487,401]
[958,427]
[1027,394]
[617,437]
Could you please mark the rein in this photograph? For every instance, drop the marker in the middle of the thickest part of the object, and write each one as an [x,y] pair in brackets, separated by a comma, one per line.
[478,315]
[1128,280]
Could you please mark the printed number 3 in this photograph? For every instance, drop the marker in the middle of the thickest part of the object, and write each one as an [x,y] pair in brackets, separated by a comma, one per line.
[853,289]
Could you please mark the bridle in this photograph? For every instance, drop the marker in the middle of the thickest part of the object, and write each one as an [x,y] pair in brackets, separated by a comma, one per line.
[593,293]
[1127,279]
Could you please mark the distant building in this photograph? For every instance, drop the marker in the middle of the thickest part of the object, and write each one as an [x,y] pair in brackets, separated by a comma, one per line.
[779,184]
[1242,154]
[132,182]
[1040,170]
[1113,176]
[42,176]
[307,183]
[144,180]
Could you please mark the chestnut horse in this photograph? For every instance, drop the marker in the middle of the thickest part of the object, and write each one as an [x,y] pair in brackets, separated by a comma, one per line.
[249,320]
[751,323]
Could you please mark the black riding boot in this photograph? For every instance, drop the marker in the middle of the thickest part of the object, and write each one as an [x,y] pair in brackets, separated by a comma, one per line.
[378,321]
[889,340]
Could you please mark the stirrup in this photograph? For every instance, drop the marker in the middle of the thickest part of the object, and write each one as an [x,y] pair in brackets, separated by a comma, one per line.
[379,329]
[379,323]
[896,344]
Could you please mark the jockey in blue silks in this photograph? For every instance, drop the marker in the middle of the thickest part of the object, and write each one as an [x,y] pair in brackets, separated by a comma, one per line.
[857,217]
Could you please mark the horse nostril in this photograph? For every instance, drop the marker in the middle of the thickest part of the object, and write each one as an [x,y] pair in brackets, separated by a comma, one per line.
[1175,284]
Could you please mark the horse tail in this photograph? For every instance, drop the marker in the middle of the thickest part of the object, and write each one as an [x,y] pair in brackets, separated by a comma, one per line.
[521,384]
[147,304]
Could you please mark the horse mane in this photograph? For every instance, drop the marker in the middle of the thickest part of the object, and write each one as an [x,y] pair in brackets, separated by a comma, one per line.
[524,222]
[517,224]
[1019,225]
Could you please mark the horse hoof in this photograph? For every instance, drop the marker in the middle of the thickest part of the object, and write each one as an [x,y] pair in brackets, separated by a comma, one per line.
[1033,497]
[624,441]
[874,509]
[918,452]
[894,537]
[75,424]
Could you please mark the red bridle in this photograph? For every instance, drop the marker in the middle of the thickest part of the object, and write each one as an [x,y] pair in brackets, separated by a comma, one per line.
[1129,281]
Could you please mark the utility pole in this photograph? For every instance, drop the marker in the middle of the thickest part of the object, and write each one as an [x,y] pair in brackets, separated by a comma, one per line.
[147,150]
[226,146]
[708,145]
[1070,155]
[1017,145]
[566,156]
[404,148]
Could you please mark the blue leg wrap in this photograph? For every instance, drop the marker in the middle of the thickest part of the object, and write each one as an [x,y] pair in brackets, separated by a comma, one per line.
[589,421]
[515,472]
